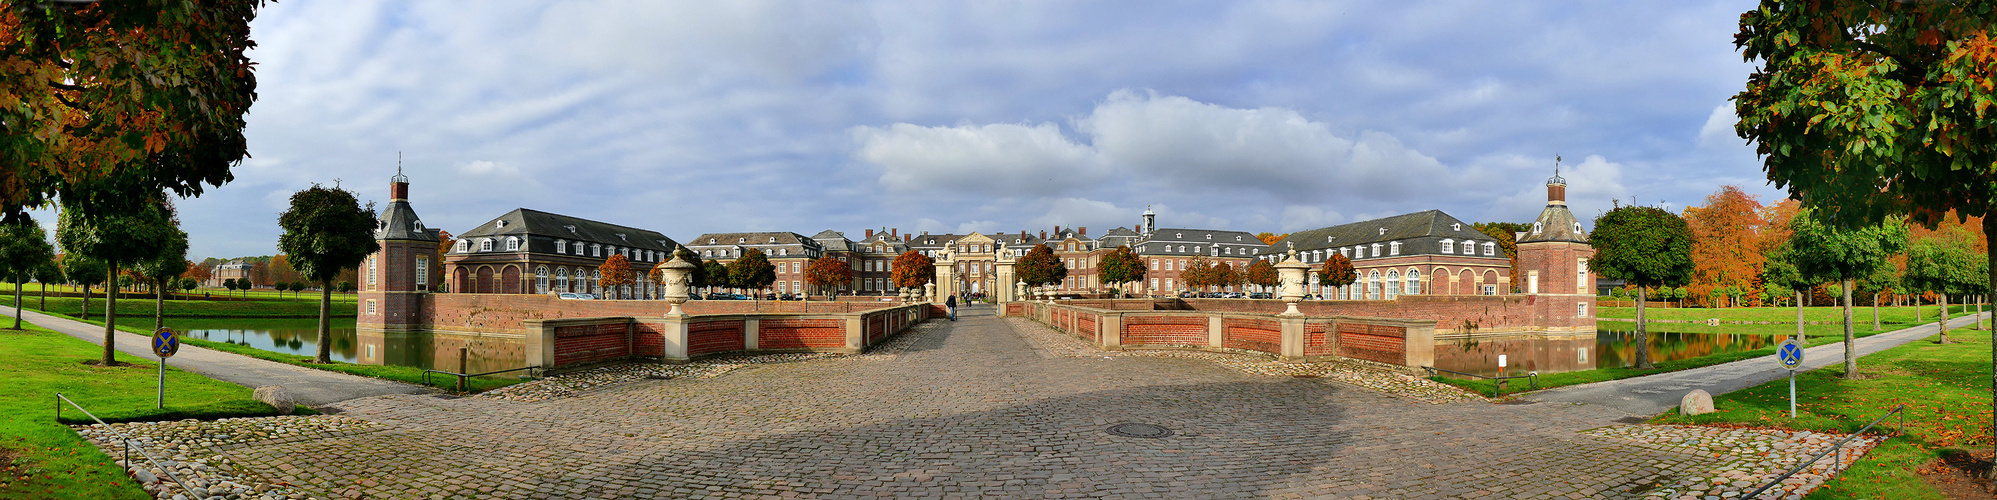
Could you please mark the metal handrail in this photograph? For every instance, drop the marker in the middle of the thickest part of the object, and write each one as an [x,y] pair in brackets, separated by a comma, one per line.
[123,439]
[462,377]
[1496,389]
[1839,448]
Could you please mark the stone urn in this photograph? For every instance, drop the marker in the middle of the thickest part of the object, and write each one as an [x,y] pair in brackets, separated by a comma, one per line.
[1019,292]
[678,276]
[929,292]
[1291,273]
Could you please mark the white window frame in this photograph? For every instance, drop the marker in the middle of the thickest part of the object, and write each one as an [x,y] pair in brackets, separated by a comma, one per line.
[562,279]
[423,270]
[371,268]
[1393,248]
[1448,246]
[1413,283]
[1581,309]
[485,245]
[1376,249]
[1490,248]
[541,279]
[561,246]
[371,309]
[512,244]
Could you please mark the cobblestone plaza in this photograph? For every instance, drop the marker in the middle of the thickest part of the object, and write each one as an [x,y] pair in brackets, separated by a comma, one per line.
[977,408]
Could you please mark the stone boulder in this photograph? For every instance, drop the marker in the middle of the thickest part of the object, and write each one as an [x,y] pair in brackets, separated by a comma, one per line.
[277,397]
[1697,402]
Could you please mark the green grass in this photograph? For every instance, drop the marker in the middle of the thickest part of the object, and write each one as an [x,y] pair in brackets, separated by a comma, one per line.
[1860,314]
[56,462]
[1946,389]
[1815,335]
[405,374]
[303,307]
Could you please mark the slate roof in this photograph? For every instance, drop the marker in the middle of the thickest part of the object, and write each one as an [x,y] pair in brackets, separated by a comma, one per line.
[399,222]
[1199,242]
[1419,233]
[932,241]
[757,239]
[1555,223]
[1116,237]
[834,241]
[1016,240]
[540,229]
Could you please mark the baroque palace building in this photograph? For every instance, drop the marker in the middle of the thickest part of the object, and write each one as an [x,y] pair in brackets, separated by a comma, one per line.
[1422,253]
[789,252]
[530,251]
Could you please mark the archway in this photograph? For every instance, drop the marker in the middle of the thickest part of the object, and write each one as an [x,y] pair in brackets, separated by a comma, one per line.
[484,280]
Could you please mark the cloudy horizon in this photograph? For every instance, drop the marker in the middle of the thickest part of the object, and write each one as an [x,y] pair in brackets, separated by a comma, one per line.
[689,118]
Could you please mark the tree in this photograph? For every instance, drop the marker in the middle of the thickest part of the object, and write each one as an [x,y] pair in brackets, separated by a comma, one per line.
[1866,110]
[1725,244]
[444,242]
[230,284]
[753,271]
[616,272]
[197,272]
[346,287]
[326,230]
[912,269]
[1040,267]
[112,99]
[1885,280]
[1337,272]
[1844,255]
[24,248]
[115,239]
[186,285]
[1507,235]
[1229,276]
[1945,265]
[1646,247]
[715,274]
[1269,238]
[49,273]
[1197,275]
[1263,274]
[159,270]
[1121,266]
[828,273]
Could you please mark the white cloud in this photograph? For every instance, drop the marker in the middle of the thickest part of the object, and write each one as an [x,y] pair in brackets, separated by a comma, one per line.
[1302,217]
[1719,126]
[997,159]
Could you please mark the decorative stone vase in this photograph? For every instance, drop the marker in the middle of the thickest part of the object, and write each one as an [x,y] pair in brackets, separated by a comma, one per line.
[1291,273]
[678,275]
[929,292]
[1020,291]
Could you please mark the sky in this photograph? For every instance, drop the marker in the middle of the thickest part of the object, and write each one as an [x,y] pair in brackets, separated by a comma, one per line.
[991,116]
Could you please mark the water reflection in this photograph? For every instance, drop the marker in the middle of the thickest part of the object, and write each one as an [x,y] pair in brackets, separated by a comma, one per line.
[1613,347]
[427,350]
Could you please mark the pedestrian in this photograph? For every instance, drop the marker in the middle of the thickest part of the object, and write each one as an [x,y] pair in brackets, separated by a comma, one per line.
[952,304]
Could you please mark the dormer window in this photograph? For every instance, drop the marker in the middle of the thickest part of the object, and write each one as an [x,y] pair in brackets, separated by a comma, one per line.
[416,225]
[1448,246]
[773,239]
[620,237]
[561,246]
[596,250]
[500,223]
[710,241]
[512,244]
[1394,248]
[1490,249]
[1376,249]
[572,229]
[1209,236]
[739,241]
[484,245]
[464,246]
[1537,227]
[1383,231]
[1577,226]
[1456,227]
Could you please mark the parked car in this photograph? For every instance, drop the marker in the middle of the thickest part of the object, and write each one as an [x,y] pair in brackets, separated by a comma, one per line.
[568,296]
[1259,295]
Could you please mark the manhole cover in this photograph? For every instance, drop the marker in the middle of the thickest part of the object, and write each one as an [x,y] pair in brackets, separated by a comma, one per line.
[1139,430]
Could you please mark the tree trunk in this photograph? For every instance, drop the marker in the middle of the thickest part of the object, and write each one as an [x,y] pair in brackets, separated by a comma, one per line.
[110,313]
[1875,311]
[1944,318]
[325,328]
[1850,341]
[1642,335]
[45,297]
[86,302]
[159,306]
[17,304]
[1990,227]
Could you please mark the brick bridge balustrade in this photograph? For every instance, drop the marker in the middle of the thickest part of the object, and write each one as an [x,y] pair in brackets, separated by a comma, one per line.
[576,342]
[1118,325]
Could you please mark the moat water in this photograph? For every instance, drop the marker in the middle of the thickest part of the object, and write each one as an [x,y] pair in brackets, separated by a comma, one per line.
[421,350]
[1613,346]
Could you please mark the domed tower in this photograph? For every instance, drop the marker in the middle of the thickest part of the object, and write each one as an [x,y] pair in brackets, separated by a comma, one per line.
[395,280]
[1553,255]
[1150,221]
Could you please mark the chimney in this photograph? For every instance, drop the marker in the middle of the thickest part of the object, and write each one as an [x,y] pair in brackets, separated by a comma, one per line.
[1043,234]
[896,232]
[907,238]
[870,234]
[1082,231]
[1057,229]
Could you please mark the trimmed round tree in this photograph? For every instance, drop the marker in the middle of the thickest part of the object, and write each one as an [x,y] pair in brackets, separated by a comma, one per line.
[1337,272]
[753,271]
[1041,267]
[1122,266]
[116,238]
[1263,274]
[24,248]
[1644,246]
[828,272]
[1197,275]
[326,230]
[912,269]
[1844,254]
[162,269]
[616,272]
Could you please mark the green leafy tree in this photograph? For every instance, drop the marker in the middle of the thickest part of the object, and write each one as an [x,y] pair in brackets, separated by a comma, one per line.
[1646,247]
[107,100]
[1040,267]
[698,274]
[713,274]
[1946,265]
[49,273]
[162,269]
[230,284]
[1866,110]
[912,269]
[24,248]
[1884,280]
[84,272]
[186,285]
[753,271]
[346,287]
[1844,255]
[1121,266]
[116,239]
[326,230]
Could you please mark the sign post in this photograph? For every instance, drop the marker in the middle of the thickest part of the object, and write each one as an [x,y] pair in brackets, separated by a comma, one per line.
[165,343]
[1790,355]
[1501,373]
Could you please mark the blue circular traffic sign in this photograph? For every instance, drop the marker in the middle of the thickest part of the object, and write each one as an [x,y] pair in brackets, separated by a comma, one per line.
[1790,354]
[165,343]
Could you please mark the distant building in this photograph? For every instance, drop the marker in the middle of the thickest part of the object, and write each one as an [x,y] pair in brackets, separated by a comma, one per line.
[395,278]
[1168,252]
[530,251]
[789,252]
[1422,253]
[233,269]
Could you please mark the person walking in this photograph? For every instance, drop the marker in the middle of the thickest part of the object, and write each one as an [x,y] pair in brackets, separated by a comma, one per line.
[952,304]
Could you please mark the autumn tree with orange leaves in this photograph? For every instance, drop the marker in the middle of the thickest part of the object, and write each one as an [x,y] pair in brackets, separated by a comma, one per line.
[1726,253]
[616,273]
[827,273]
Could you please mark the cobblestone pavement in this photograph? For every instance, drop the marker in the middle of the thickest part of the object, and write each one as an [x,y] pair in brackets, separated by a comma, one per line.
[968,410]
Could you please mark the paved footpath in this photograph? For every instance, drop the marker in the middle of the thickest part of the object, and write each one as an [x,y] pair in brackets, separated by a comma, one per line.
[970,409]
[1653,394]
[307,386]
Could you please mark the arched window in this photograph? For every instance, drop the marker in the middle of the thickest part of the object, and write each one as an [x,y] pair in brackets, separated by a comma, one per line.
[595,278]
[596,249]
[1394,248]
[1490,249]
[707,253]
[512,244]
[1393,284]
[561,246]
[464,246]
[1373,286]
[1448,246]
[485,245]
[1536,227]
[541,279]
[1414,283]
[562,279]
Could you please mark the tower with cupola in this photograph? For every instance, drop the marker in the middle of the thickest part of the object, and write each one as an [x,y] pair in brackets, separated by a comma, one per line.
[1553,263]
[395,280]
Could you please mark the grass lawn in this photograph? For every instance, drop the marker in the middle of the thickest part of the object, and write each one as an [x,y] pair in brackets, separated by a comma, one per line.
[304,307]
[406,374]
[1946,389]
[50,460]
[1860,314]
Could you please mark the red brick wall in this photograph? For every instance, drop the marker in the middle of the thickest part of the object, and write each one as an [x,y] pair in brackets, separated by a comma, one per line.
[1252,334]
[1014,309]
[708,337]
[801,333]
[1164,330]
[1385,344]
[1450,312]
[648,339]
[1316,343]
[1087,323]
[502,313]
[591,343]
